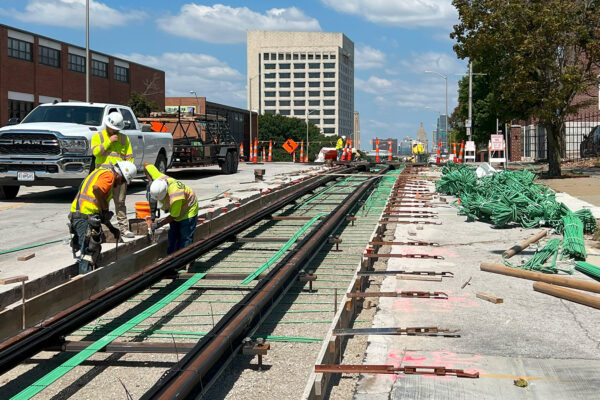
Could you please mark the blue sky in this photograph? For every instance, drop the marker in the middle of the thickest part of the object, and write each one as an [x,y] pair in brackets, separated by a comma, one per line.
[201,46]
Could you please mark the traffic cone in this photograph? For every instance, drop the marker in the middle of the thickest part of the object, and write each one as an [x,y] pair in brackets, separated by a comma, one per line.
[389,151]
[255,150]
[306,155]
[377,159]
[438,159]
[270,151]
[251,156]
[349,153]
[263,155]
[302,151]
[294,156]
[454,151]
[460,156]
[241,155]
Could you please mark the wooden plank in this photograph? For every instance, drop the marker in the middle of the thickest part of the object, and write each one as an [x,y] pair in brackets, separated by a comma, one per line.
[26,257]
[489,297]
[13,279]
[434,278]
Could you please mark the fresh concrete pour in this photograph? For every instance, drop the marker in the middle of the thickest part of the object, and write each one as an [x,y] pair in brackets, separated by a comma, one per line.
[553,344]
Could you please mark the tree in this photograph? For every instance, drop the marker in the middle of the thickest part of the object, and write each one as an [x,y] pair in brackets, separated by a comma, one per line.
[279,128]
[141,105]
[538,56]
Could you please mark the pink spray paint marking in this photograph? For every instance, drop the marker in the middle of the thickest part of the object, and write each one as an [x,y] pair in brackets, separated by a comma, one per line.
[441,358]
[460,300]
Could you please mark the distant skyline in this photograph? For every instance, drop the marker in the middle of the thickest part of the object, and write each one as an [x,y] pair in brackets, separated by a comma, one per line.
[201,47]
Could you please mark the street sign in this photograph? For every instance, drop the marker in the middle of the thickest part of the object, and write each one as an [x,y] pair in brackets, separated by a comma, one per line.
[467,123]
[470,146]
[290,146]
[468,131]
[497,142]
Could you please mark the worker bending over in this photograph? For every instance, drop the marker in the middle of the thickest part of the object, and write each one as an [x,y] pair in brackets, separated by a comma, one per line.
[180,202]
[339,146]
[90,209]
[112,146]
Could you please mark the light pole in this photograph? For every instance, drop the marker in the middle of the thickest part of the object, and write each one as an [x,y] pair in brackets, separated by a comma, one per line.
[250,104]
[307,114]
[87,51]
[446,79]
[197,102]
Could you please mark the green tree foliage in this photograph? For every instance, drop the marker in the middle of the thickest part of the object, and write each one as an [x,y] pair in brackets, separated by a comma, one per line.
[140,105]
[538,56]
[279,128]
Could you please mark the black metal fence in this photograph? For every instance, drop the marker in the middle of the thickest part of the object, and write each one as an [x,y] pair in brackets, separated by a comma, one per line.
[581,139]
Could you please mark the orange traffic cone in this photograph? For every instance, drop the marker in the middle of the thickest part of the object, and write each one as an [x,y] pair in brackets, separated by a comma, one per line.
[251,157]
[438,159]
[389,151]
[460,156]
[377,159]
[306,155]
[302,151]
[270,151]
[255,150]
[294,156]
[241,155]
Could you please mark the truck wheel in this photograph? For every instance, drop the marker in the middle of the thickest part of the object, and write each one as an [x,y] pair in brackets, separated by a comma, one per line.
[235,162]
[161,163]
[227,165]
[8,192]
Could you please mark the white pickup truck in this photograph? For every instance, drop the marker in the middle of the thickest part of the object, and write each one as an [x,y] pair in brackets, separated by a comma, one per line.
[51,146]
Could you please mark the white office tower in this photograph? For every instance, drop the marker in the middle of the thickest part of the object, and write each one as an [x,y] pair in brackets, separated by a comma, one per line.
[303,75]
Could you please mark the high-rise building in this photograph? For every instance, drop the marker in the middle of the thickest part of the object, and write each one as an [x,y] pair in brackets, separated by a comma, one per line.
[356,140]
[435,142]
[442,134]
[303,75]
[422,137]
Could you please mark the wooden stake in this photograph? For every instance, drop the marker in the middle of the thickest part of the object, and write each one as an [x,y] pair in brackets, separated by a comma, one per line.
[489,297]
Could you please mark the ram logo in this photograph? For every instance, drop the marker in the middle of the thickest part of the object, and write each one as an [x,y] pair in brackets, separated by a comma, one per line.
[28,141]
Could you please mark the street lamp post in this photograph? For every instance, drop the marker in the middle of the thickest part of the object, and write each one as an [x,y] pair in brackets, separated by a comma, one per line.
[446,79]
[250,104]
[307,114]
[197,102]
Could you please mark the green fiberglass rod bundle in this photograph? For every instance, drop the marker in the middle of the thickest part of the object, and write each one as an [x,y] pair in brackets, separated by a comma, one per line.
[574,246]
[536,262]
[588,269]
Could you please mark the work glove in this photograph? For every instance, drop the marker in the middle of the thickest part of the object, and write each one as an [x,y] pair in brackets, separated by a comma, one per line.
[106,215]
[154,226]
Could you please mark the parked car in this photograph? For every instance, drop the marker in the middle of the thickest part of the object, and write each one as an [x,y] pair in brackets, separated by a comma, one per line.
[590,145]
[52,145]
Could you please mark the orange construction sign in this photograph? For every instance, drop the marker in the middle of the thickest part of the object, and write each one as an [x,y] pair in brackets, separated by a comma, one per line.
[290,146]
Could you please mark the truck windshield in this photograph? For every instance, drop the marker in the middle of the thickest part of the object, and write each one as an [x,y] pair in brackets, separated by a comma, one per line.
[72,114]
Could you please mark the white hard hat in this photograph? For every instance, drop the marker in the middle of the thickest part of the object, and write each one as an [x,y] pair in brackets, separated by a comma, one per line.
[158,191]
[114,120]
[126,169]
[343,136]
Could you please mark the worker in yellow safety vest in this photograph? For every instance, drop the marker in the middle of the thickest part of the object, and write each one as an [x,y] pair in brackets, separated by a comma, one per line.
[90,209]
[109,147]
[179,201]
[339,147]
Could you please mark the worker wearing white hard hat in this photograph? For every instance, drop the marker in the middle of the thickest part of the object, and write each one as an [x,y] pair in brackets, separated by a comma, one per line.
[110,146]
[179,201]
[339,146]
[90,209]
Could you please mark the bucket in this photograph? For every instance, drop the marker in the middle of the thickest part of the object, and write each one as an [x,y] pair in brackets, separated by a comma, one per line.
[142,210]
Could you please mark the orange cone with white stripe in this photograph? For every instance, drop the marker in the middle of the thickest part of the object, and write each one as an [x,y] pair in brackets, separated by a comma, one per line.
[377,159]
[270,151]
[263,155]
[294,156]
[251,157]
[389,151]
[438,159]
[241,155]
[460,156]
[255,151]
[302,151]
[306,155]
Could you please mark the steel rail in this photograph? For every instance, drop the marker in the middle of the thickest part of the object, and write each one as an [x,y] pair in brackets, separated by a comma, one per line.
[32,340]
[199,368]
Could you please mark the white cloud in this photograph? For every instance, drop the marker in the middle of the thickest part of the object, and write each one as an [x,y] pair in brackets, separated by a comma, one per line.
[403,13]
[204,74]
[445,64]
[71,14]
[224,24]
[366,57]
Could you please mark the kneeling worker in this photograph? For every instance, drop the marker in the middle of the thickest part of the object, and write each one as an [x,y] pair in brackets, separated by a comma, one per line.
[180,202]
[90,209]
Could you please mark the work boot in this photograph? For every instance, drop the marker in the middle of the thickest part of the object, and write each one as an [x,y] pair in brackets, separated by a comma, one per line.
[127,234]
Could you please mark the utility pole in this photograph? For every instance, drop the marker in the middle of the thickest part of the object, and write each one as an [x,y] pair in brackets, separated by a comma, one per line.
[471,100]
[87,51]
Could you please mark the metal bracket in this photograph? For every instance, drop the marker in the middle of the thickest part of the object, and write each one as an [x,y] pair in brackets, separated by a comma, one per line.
[255,347]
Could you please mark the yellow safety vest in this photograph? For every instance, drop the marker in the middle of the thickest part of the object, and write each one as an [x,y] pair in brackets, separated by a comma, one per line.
[177,190]
[340,144]
[85,202]
[107,152]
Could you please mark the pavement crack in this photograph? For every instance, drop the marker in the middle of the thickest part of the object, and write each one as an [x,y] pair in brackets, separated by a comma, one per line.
[587,333]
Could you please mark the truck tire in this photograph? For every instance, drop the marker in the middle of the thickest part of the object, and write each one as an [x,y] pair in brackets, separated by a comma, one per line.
[227,166]
[235,162]
[8,192]
[161,163]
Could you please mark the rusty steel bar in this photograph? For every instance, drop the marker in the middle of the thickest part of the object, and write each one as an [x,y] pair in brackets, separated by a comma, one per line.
[400,255]
[388,243]
[127,347]
[390,369]
[406,293]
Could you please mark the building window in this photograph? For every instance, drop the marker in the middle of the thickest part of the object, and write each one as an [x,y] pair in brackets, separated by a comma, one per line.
[284,94]
[299,75]
[317,56]
[99,69]
[314,102]
[314,65]
[284,112]
[299,103]
[299,93]
[328,131]
[76,63]
[19,49]
[284,84]
[270,66]
[329,121]
[121,74]
[284,103]
[269,94]
[299,65]
[269,84]
[288,56]
[299,112]
[328,112]
[314,84]
[328,65]
[314,121]
[269,103]
[329,93]
[314,112]
[48,56]
[310,56]
[299,84]
[313,75]
[295,56]
[333,56]
[284,75]
[284,66]
[325,56]
[281,56]
[328,74]
[270,75]
[314,93]
[272,112]
[329,84]
[19,109]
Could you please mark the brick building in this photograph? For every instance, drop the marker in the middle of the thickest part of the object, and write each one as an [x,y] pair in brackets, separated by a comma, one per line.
[35,69]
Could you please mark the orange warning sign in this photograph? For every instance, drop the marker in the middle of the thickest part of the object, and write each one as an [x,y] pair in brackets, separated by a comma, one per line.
[290,146]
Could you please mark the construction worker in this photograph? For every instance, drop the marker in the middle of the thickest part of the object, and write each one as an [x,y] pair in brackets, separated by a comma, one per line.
[339,146]
[180,202]
[111,146]
[90,209]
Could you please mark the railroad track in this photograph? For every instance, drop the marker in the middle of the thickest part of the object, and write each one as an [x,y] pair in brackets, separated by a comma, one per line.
[278,267]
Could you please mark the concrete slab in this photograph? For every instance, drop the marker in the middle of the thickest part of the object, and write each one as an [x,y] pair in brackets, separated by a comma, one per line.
[39,214]
[554,342]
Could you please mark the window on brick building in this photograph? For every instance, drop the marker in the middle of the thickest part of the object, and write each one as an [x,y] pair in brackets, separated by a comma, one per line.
[76,63]
[121,74]
[99,69]
[48,56]
[19,49]
[19,109]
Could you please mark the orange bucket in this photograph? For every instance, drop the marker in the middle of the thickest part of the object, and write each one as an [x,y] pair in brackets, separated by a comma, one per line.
[142,210]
